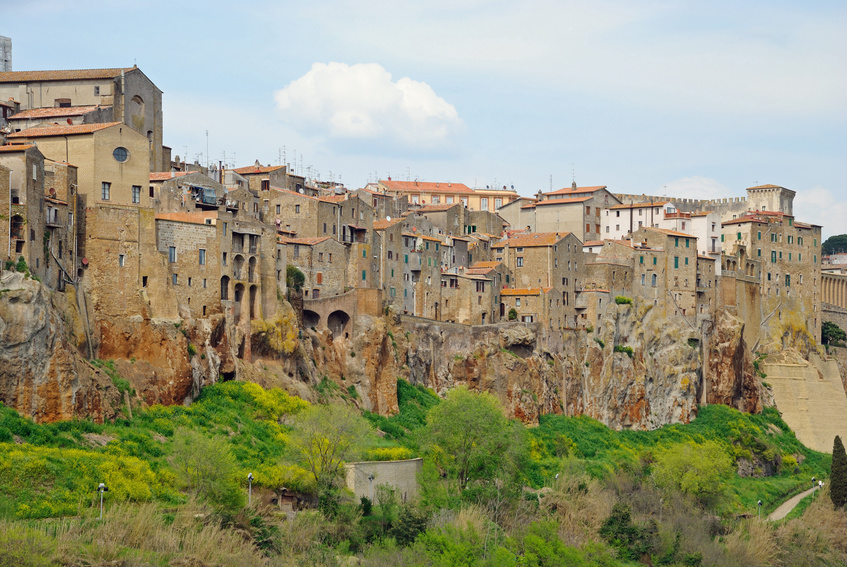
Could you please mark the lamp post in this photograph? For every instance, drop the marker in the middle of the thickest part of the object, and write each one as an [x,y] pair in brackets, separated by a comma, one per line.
[101,489]
[371,479]
[760,509]
[249,489]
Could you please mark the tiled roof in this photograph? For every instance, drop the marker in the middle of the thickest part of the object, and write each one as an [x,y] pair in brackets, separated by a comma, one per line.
[333,198]
[304,241]
[478,271]
[640,205]
[768,186]
[194,218]
[165,175]
[562,201]
[438,207]
[72,75]
[521,291]
[56,130]
[16,147]
[257,169]
[533,239]
[425,187]
[53,112]
[383,224]
[569,190]
[487,265]
[669,232]
[593,243]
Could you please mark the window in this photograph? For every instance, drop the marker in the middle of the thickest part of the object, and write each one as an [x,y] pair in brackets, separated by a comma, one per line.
[641,260]
[224,229]
[121,259]
[364,275]
[296,250]
[687,242]
[686,260]
[676,241]
[759,252]
[171,254]
[105,190]
[722,238]
[120,154]
[321,256]
[136,193]
[653,280]
[654,260]
[676,261]
[483,204]
[738,236]
[204,282]
[406,258]
[96,91]
[143,281]
[587,210]
[787,280]
[297,209]
[330,257]
[520,261]
[174,279]
[189,282]
[517,302]
[202,258]
[498,203]
[588,228]
[223,259]
[759,235]
[324,228]
[773,256]
[319,278]
[364,253]
[278,209]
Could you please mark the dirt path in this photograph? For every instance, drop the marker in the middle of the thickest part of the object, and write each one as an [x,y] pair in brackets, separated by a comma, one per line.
[789,505]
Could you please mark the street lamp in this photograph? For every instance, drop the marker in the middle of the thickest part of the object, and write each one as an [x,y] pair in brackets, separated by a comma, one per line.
[371,479]
[760,509]
[101,489]
[249,488]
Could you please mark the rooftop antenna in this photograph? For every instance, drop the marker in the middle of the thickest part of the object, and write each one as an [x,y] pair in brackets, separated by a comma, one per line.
[551,182]
[207,149]
[573,172]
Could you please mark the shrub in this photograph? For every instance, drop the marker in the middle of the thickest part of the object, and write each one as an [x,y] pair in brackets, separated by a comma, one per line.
[599,342]
[623,300]
[838,477]
[294,278]
[192,350]
[627,349]
[513,314]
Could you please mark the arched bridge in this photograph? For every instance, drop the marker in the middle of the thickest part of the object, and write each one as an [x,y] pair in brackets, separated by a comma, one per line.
[338,313]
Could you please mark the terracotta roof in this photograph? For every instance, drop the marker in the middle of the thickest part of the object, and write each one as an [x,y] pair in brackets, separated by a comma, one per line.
[530,206]
[701,214]
[305,241]
[56,130]
[16,147]
[478,271]
[521,291]
[53,112]
[533,239]
[383,224]
[768,186]
[425,187]
[438,207]
[593,243]
[165,175]
[72,75]
[252,169]
[569,190]
[670,232]
[487,265]
[562,201]
[333,198]
[640,205]
[194,218]
[701,257]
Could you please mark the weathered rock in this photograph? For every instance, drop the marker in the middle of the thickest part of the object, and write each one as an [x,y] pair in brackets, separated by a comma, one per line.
[732,378]
[42,374]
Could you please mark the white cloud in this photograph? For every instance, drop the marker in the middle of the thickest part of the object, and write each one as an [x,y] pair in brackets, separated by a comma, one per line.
[362,103]
[695,188]
[819,205]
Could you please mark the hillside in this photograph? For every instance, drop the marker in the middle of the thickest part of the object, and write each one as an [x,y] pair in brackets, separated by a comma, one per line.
[51,471]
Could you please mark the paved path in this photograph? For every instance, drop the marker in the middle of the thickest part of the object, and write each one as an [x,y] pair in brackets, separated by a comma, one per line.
[789,505]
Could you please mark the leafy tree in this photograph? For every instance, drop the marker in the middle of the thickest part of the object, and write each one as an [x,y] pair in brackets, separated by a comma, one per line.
[835,244]
[471,443]
[838,476]
[631,540]
[513,314]
[832,334]
[294,278]
[698,469]
[207,468]
[325,437]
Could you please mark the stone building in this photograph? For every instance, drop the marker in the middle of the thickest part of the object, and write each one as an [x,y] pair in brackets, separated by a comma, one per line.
[520,213]
[574,209]
[324,261]
[467,297]
[23,209]
[173,192]
[665,269]
[123,95]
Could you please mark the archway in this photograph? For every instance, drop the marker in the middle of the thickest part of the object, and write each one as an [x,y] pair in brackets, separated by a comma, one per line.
[239,296]
[310,319]
[251,269]
[254,308]
[337,323]
[237,266]
[224,288]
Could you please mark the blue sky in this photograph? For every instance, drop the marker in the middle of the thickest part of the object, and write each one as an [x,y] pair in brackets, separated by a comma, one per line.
[660,97]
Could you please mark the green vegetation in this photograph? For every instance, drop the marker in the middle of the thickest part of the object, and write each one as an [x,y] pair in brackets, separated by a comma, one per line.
[513,314]
[623,300]
[493,492]
[832,334]
[294,278]
[623,348]
[838,478]
[835,244]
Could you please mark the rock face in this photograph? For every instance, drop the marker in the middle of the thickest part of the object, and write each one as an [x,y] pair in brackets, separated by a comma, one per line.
[638,370]
[42,374]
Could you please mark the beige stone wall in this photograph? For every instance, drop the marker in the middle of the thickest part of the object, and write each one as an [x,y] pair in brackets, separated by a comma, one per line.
[196,286]
[402,476]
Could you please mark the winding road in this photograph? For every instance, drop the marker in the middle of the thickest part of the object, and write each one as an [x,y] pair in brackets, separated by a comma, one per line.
[789,505]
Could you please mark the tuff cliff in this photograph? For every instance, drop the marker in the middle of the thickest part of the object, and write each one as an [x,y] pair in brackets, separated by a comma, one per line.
[636,369]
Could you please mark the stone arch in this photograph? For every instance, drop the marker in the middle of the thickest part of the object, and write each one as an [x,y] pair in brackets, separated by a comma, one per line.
[254,299]
[310,318]
[251,269]
[237,266]
[239,297]
[224,288]
[338,322]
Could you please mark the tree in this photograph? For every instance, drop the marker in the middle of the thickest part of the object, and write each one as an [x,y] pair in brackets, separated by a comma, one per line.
[206,467]
[472,444]
[838,474]
[325,437]
[294,278]
[834,244]
[513,314]
[694,468]
[832,334]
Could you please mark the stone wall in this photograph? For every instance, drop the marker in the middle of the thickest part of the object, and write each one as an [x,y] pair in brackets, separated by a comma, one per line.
[363,478]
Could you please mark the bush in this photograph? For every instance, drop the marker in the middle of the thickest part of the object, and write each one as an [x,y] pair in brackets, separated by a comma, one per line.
[513,314]
[627,349]
[622,300]
[294,278]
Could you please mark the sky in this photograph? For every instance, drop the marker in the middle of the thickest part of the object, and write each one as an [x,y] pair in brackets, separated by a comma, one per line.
[678,98]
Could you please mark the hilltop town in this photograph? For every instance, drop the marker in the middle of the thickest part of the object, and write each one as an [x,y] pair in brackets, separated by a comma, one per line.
[94,205]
